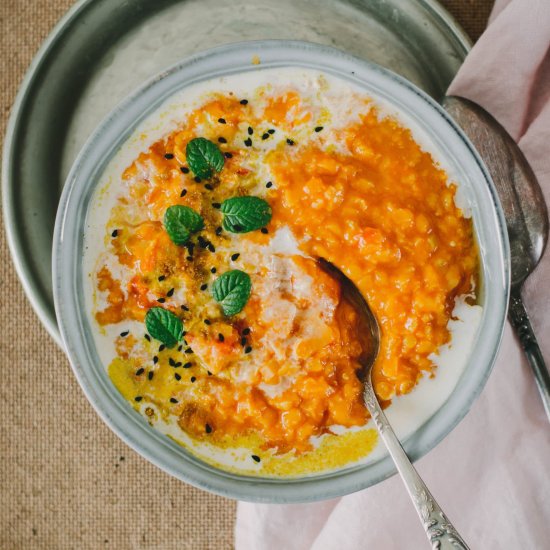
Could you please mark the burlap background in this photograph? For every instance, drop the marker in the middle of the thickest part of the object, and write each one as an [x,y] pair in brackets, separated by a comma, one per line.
[65,480]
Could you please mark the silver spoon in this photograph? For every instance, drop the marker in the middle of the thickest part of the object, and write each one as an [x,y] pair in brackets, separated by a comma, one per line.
[525,212]
[438,528]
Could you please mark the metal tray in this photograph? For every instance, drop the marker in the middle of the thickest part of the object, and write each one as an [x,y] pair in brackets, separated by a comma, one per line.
[102,49]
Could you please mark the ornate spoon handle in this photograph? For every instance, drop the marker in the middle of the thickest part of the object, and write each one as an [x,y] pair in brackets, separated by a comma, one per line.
[439,529]
[520,321]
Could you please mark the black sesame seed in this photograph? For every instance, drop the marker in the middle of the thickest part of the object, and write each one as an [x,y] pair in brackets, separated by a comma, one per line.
[234,256]
[265,136]
[246,331]
[155,359]
[248,142]
[207,427]
[318,128]
[184,307]
[178,364]
[228,155]
[185,342]
[243,101]
[197,179]
[237,228]
[189,258]
[125,333]
[177,376]
[248,349]
[114,233]
[250,131]
[208,186]
[184,169]
[290,141]
[271,131]
[209,373]
[188,350]
[138,398]
[207,322]
[221,139]
[213,270]
[188,365]
[169,156]
[170,293]
[183,332]
[216,205]
[162,277]
[162,347]
[204,286]
[183,193]
[269,184]
[173,400]
[243,341]
[193,378]
[180,348]
[141,370]
[264,230]
[147,337]
[150,375]
[218,230]
[221,120]
[220,337]
[171,362]
[255,458]
[161,300]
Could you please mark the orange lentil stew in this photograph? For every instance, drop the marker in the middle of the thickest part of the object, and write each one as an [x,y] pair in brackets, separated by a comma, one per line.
[232,333]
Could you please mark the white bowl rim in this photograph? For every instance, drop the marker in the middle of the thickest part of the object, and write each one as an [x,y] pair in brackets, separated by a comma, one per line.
[114,130]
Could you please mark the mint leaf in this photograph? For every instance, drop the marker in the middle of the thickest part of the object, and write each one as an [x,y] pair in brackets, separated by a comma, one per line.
[180,222]
[164,326]
[232,290]
[244,214]
[204,157]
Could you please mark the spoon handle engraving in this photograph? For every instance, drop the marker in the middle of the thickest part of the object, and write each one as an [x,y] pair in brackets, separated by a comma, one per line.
[438,528]
[520,321]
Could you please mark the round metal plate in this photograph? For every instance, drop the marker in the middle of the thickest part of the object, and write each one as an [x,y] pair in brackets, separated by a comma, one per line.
[103,49]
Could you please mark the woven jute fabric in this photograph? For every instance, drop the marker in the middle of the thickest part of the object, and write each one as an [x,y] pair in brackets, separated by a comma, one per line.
[66,481]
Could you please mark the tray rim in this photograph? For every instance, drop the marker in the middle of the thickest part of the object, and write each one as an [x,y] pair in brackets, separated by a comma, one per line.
[14,239]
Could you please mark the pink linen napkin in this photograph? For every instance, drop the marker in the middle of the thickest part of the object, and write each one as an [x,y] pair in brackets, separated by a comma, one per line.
[492,473]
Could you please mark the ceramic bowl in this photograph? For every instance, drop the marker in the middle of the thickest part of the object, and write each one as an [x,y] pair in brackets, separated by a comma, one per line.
[68,274]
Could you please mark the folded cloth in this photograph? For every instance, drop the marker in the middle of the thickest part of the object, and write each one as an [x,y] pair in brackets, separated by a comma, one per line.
[492,473]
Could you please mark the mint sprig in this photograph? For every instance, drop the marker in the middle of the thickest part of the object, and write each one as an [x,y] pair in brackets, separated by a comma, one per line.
[180,221]
[245,214]
[164,326]
[232,290]
[204,157]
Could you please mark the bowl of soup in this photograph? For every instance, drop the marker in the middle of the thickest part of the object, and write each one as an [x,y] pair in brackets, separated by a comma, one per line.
[188,289]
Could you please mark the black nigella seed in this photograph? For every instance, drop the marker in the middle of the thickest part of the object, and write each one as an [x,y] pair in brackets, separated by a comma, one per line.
[141,370]
[216,205]
[171,362]
[255,458]
[204,286]
[234,256]
[184,169]
[246,331]
[271,131]
[155,359]
[170,293]
[228,155]
[188,350]
[264,230]
[161,300]
[183,193]
[114,233]
[269,184]
[197,179]
[169,156]
[250,131]
[150,375]
[243,341]
[189,258]
[138,398]
[221,120]
[207,427]
[147,337]
[162,347]
[218,230]
[193,378]
[221,139]
[290,141]
[125,333]
[209,373]
[183,333]
[162,277]
[177,376]
[173,400]
[178,364]
[209,187]
[220,337]
[265,136]
[243,101]
[237,228]
[248,142]
[248,349]
[184,307]
[180,348]
[318,128]
[213,270]
[207,322]
[188,365]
